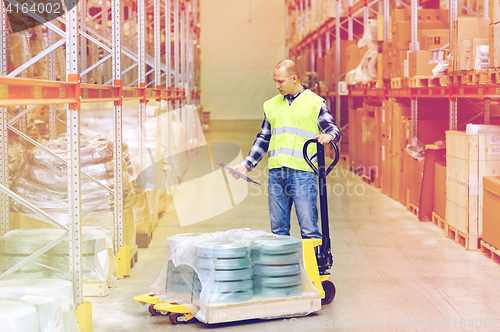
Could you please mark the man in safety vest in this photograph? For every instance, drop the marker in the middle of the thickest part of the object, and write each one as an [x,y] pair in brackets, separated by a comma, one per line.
[290,119]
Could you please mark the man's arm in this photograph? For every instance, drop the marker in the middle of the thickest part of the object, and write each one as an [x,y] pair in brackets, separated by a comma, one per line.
[327,125]
[258,149]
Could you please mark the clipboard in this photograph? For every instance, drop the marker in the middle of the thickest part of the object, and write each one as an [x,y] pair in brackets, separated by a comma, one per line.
[241,175]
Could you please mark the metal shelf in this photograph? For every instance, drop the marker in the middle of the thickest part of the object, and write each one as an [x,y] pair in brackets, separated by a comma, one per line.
[174,82]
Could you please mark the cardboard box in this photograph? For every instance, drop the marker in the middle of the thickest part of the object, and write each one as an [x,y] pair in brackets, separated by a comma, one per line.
[464,55]
[320,69]
[466,28]
[404,14]
[418,63]
[494,42]
[354,55]
[440,189]
[401,35]
[469,158]
[491,207]
[432,39]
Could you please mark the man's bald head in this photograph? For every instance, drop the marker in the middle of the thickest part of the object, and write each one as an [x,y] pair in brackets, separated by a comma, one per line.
[289,66]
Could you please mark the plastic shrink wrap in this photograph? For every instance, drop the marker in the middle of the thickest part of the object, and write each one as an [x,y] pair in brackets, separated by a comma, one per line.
[367,69]
[18,317]
[44,180]
[18,43]
[97,261]
[55,312]
[63,288]
[241,266]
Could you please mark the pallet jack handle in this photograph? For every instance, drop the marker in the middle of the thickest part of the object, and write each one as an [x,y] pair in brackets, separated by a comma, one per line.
[324,256]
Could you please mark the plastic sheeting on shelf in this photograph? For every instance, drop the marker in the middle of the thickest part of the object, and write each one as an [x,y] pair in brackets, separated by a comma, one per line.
[55,312]
[367,69]
[235,266]
[44,180]
[18,317]
[18,244]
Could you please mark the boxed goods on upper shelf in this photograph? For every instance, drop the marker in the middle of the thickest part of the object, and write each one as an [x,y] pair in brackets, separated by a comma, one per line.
[464,30]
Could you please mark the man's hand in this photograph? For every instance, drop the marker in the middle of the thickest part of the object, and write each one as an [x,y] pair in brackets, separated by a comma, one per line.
[324,138]
[241,169]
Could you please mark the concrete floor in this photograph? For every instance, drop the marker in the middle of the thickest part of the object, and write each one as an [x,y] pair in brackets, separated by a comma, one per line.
[392,272]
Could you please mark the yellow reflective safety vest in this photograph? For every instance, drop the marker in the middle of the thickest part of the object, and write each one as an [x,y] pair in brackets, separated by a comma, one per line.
[291,127]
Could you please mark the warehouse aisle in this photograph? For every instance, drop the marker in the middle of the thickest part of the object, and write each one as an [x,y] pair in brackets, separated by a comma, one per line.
[392,272]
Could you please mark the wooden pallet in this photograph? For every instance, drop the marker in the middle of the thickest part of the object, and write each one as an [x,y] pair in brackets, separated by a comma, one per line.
[494,76]
[459,78]
[366,178]
[438,220]
[470,242]
[424,81]
[97,288]
[480,77]
[399,82]
[413,209]
[489,250]
[277,307]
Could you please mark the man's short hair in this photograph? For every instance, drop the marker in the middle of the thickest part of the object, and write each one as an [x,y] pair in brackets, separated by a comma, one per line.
[290,67]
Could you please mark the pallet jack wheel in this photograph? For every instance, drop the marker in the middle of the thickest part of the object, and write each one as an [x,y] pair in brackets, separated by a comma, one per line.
[153,311]
[329,289]
[177,318]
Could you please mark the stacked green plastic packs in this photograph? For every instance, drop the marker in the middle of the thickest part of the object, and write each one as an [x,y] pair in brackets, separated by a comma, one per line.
[277,267]
[230,269]
[18,244]
[183,283]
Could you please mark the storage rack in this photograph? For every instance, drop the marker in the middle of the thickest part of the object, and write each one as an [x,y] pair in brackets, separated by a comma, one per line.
[178,89]
[319,39]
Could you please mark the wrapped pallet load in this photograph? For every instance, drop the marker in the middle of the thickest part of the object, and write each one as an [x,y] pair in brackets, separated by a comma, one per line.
[97,261]
[43,181]
[236,275]
[99,119]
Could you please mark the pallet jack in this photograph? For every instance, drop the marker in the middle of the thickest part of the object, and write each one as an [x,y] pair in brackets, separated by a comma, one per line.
[318,257]
[317,253]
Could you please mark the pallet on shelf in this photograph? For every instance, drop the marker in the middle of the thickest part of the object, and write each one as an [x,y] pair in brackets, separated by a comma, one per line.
[487,249]
[424,81]
[399,82]
[480,77]
[494,76]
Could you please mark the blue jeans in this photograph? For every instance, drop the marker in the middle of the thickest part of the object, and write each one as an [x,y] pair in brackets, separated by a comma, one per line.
[288,186]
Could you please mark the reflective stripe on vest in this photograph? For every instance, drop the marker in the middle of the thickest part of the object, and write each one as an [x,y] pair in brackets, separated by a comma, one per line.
[290,152]
[294,131]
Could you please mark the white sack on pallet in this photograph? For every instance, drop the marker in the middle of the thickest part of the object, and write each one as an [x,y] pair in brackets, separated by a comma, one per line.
[242,267]
[367,69]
